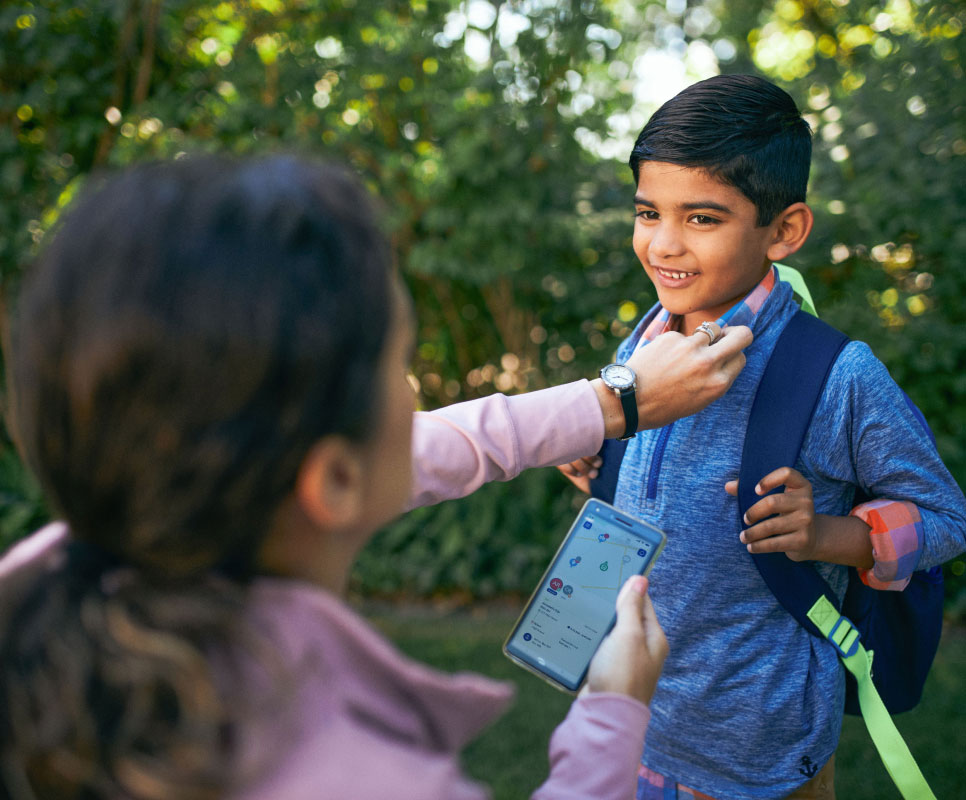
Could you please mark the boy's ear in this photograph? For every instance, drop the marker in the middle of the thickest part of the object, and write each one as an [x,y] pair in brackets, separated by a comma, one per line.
[330,486]
[792,227]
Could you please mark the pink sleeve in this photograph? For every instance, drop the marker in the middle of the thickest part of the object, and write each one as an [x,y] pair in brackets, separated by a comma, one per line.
[40,544]
[459,448]
[897,540]
[596,751]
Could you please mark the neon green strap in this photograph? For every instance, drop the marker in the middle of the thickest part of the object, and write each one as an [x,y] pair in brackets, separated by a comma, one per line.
[899,763]
[792,276]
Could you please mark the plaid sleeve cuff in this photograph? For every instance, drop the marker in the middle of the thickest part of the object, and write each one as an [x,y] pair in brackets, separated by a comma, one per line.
[897,540]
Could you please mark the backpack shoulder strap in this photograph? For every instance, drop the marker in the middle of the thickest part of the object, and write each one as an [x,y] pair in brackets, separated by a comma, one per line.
[604,486]
[780,415]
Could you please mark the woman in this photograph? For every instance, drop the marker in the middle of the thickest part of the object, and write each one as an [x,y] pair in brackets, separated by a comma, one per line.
[197,393]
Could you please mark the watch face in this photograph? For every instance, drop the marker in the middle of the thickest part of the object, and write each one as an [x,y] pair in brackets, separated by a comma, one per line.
[618,376]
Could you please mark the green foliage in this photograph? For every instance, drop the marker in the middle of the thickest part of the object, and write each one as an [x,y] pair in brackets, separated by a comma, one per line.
[495,210]
[22,507]
[495,136]
[496,543]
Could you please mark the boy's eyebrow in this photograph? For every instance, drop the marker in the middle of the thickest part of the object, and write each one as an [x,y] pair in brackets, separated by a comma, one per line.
[692,206]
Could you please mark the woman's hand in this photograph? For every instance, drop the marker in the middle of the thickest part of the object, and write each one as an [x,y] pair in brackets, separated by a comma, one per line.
[679,375]
[630,659]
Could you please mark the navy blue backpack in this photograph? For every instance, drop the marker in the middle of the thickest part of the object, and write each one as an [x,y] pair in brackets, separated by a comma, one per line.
[902,629]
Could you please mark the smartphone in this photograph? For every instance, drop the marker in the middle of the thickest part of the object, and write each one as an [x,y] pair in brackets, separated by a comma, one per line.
[573,607]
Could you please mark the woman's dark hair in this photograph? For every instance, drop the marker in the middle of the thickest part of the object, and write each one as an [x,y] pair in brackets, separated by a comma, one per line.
[743,130]
[188,334]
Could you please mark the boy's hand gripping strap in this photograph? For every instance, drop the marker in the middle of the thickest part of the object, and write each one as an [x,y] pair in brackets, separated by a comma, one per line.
[893,751]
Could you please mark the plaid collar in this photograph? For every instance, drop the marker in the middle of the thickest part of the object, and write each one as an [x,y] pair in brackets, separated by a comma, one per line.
[739,314]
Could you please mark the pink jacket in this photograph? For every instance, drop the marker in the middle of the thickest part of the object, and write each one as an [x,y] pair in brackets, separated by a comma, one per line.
[366,722]
[459,448]
[369,723]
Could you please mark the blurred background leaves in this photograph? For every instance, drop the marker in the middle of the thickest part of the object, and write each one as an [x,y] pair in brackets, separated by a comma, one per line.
[495,135]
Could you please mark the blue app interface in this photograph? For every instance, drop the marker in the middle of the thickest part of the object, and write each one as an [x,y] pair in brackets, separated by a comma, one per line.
[574,606]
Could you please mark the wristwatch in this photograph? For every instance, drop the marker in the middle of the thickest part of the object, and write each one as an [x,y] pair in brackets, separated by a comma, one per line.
[622,381]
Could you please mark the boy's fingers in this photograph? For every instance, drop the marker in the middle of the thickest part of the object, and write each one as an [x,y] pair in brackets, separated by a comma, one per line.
[783,476]
[781,503]
[773,544]
[587,466]
[582,482]
[783,519]
[759,511]
[790,544]
[581,467]
[731,487]
[768,529]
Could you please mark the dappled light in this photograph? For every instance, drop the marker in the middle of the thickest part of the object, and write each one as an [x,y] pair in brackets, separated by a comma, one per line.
[496,136]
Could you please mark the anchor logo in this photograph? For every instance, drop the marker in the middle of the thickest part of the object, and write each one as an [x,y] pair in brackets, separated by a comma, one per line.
[808,768]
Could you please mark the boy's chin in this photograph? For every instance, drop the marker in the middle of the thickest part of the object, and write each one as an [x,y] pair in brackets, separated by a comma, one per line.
[674,306]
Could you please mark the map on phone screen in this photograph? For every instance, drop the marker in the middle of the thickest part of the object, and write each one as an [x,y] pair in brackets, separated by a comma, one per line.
[574,606]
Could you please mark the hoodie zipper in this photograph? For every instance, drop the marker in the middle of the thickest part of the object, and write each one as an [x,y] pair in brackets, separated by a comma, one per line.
[657,460]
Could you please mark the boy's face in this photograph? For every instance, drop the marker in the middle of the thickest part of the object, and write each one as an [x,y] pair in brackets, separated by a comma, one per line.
[697,240]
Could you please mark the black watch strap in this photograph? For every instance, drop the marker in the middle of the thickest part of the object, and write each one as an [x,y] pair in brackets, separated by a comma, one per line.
[629,404]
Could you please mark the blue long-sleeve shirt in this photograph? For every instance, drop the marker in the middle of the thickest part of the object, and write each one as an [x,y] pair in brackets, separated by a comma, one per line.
[749,701]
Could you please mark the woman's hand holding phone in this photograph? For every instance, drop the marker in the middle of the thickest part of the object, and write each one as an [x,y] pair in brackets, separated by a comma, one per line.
[630,659]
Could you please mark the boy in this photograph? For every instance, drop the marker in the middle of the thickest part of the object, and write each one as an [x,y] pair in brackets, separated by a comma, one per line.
[750,704]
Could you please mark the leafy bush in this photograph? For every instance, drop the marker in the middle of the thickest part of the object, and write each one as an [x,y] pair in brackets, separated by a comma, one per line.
[495,542]
[495,136]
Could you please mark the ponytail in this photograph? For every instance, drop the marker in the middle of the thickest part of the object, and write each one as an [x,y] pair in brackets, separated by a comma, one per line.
[107,682]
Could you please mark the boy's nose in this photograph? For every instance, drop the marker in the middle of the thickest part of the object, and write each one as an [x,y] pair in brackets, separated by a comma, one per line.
[665,241]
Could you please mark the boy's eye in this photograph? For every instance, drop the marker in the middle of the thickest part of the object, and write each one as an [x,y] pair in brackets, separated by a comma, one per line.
[704,219]
[646,213]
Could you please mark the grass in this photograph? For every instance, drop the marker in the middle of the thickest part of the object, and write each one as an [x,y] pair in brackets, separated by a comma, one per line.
[511,756]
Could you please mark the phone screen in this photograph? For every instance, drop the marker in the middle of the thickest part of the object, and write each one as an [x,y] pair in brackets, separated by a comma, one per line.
[573,607]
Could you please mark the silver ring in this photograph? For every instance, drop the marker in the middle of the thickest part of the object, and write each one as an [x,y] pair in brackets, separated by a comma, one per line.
[712,331]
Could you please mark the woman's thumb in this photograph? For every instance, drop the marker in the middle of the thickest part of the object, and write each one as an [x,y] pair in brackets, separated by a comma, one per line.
[630,602]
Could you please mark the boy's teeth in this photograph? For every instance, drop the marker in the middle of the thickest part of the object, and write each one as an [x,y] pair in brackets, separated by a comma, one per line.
[675,275]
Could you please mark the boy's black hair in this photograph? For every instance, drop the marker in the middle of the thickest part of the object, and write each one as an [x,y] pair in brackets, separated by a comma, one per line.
[743,130]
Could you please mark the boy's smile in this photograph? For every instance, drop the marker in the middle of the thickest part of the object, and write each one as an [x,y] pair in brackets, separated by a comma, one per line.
[698,240]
